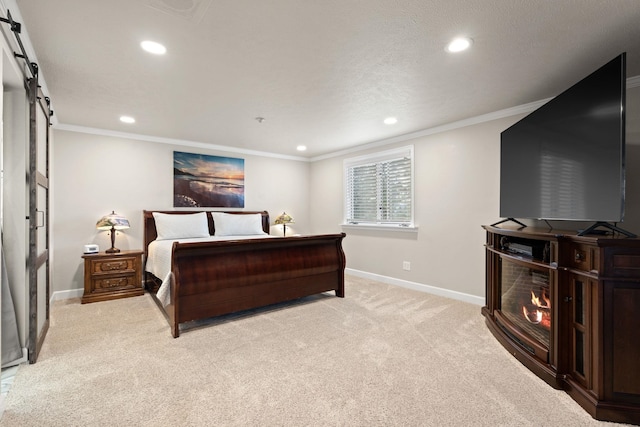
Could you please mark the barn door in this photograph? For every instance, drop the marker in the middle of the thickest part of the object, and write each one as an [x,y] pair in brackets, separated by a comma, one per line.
[38,218]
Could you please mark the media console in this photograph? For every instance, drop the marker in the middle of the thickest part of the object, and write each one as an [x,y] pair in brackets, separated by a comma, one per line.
[568,308]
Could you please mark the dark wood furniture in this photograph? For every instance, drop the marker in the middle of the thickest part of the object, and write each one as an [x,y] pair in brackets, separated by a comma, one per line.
[112,275]
[592,347]
[214,278]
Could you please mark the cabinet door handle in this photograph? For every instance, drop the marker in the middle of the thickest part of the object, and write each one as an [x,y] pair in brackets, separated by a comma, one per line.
[568,299]
[42,217]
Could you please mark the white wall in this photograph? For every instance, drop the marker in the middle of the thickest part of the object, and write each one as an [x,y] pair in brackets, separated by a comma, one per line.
[457,191]
[632,206]
[94,174]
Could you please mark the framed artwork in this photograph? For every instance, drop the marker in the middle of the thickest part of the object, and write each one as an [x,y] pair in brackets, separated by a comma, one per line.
[200,180]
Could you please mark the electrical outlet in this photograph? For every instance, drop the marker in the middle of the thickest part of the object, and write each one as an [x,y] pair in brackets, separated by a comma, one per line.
[406,265]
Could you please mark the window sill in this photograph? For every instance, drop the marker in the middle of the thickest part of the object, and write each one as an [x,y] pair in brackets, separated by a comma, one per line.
[381,227]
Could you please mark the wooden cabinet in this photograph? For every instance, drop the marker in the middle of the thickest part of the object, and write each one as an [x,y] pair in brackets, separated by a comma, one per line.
[111,276]
[592,346]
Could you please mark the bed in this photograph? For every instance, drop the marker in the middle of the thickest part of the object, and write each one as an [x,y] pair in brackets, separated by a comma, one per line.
[237,267]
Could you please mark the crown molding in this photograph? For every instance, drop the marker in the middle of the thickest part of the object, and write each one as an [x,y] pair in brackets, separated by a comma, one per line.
[508,112]
[632,82]
[171,141]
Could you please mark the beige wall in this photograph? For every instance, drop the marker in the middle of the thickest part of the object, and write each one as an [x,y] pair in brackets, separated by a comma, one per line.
[93,175]
[632,209]
[457,191]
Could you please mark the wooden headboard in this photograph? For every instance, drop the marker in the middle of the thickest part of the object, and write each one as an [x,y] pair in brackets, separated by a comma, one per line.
[150,232]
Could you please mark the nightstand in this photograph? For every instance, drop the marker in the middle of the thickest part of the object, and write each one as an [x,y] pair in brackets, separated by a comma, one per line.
[112,276]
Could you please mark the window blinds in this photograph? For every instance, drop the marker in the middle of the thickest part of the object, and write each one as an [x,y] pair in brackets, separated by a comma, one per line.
[379,188]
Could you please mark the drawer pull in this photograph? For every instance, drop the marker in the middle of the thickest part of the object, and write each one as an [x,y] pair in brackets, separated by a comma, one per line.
[113,283]
[579,256]
[115,265]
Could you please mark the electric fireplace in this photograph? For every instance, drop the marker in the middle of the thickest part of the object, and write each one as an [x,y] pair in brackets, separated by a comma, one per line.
[567,306]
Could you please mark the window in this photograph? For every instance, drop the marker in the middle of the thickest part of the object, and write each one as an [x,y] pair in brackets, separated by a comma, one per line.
[379,188]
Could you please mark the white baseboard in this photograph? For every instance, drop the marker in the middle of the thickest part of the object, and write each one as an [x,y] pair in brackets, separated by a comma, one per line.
[460,296]
[68,294]
[418,287]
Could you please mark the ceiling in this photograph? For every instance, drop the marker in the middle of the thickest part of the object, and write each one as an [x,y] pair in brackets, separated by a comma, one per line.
[323,74]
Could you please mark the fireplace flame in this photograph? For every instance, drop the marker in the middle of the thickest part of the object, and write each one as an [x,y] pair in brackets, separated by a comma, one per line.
[538,311]
[536,301]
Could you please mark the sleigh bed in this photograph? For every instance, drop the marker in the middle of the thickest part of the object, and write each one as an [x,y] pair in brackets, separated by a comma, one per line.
[235,269]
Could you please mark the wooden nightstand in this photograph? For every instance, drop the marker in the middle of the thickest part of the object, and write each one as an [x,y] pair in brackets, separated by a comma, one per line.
[112,276]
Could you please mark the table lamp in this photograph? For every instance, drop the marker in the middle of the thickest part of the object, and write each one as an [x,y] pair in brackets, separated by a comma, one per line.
[112,222]
[284,219]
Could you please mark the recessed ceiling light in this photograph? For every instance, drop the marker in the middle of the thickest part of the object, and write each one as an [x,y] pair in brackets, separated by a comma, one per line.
[459,44]
[127,119]
[301,148]
[390,121]
[153,47]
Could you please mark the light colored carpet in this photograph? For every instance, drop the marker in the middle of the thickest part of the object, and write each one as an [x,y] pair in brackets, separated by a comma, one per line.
[383,355]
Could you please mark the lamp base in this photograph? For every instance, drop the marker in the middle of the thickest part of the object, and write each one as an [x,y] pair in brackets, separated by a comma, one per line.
[113,249]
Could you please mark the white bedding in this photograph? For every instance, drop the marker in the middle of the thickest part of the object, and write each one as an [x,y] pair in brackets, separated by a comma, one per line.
[159,259]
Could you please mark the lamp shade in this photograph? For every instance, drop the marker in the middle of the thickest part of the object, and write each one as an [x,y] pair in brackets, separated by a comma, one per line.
[112,222]
[284,218]
[118,222]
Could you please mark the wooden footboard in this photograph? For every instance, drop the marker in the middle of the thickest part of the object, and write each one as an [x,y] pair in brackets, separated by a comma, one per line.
[211,279]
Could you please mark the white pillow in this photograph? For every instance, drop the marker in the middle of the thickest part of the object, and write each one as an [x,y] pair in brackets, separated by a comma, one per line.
[237,224]
[181,226]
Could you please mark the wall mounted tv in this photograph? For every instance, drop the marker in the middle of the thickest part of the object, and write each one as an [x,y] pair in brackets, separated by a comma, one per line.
[565,160]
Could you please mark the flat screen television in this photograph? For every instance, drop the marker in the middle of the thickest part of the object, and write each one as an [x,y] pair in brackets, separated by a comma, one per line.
[566,160]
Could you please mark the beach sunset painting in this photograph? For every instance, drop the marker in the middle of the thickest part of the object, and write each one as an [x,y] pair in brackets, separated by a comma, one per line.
[200,180]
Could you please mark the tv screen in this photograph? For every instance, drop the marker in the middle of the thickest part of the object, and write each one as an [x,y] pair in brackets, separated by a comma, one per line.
[565,160]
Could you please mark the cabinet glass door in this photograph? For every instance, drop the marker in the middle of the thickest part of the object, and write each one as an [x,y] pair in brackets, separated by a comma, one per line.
[580,329]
